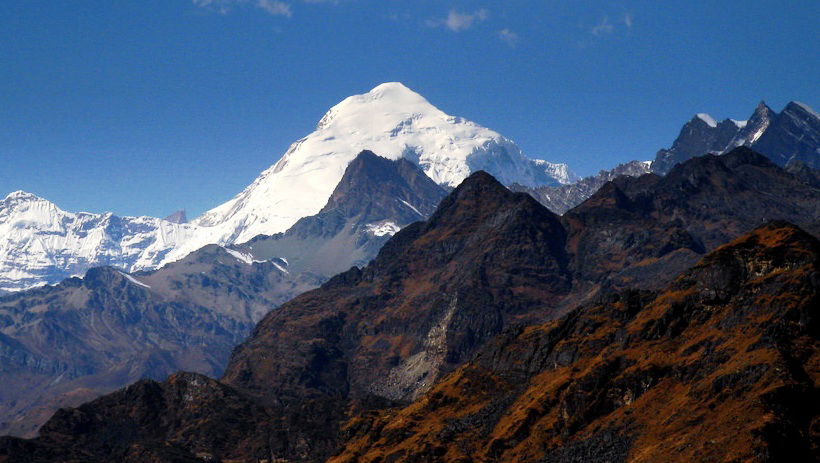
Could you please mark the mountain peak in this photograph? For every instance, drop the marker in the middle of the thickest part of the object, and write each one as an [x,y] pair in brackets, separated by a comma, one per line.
[745,155]
[21,195]
[370,179]
[481,185]
[481,196]
[762,109]
[390,120]
[390,89]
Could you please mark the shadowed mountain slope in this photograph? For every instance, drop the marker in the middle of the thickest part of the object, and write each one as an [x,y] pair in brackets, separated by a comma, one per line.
[63,345]
[437,291]
[641,232]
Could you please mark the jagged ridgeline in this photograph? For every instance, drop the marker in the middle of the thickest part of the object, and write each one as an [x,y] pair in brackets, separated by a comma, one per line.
[499,331]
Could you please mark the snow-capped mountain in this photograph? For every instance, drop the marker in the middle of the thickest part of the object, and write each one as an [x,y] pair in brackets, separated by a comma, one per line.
[390,120]
[42,244]
[791,135]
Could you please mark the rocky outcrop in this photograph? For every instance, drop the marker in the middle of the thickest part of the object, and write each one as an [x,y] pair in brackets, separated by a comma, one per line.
[719,366]
[436,291]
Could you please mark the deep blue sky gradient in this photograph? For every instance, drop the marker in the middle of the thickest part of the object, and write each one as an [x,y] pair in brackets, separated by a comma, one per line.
[144,107]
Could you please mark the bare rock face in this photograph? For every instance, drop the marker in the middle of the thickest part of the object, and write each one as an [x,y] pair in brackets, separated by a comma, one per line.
[720,365]
[436,292]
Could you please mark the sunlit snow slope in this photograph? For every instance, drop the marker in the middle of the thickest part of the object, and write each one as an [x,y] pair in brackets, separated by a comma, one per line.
[392,121]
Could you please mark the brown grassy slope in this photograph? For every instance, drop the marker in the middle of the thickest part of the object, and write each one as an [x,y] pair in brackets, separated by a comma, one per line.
[721,366]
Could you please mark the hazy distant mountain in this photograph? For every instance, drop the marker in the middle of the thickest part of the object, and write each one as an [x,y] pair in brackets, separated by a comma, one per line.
[65,344]
[560,199]
[791,135]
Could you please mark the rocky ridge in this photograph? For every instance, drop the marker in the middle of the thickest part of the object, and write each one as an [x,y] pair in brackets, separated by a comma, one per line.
[721,365]
[791,135]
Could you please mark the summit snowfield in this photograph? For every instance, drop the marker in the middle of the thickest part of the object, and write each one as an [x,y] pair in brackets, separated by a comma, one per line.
[42,244]
[390,120]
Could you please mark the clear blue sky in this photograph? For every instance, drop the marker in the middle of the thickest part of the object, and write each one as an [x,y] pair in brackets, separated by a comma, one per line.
[147,106]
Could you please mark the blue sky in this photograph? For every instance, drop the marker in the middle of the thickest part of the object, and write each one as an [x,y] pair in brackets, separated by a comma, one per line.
[146,106]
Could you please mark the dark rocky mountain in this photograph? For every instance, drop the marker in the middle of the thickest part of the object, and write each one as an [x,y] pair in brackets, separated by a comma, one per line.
[560,199]
[699,136]
[792,134]
[437,291]
[375,198]
[488,260]
[640,232]
[719,366]
[113,328]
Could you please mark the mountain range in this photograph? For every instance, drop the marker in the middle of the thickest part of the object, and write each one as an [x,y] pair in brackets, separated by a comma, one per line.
[789,136]
[497,330]
[408,254]
[113,328]
[41,244]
